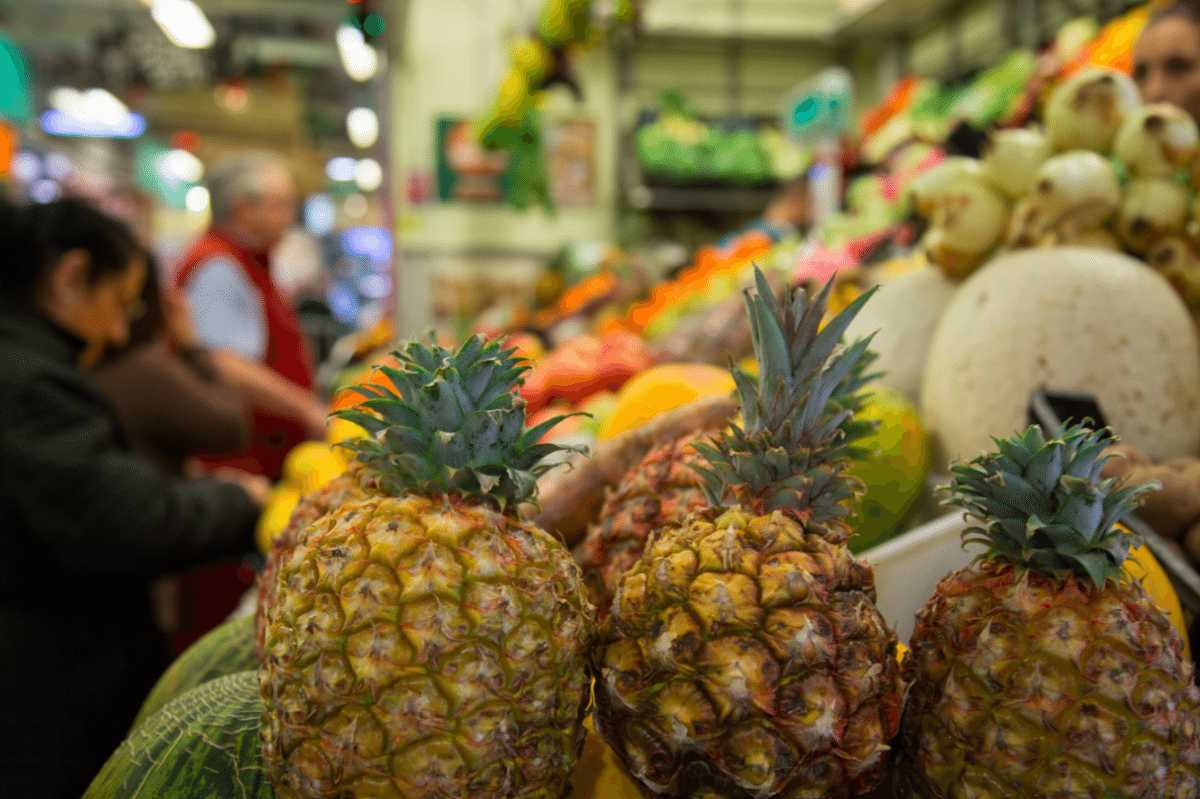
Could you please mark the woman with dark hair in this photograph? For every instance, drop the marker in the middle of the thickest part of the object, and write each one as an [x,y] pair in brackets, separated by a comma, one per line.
[84,522]
[166,389]
[1166,58]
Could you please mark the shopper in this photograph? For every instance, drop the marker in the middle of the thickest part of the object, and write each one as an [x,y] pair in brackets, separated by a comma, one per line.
[238,311]
[84,521]
[166,389]
[1166,57]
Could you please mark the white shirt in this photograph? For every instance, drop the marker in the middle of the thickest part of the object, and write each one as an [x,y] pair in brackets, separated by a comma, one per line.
[227,308]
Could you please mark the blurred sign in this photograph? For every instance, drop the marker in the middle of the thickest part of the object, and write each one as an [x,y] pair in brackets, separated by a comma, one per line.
[16,96]
[821,107]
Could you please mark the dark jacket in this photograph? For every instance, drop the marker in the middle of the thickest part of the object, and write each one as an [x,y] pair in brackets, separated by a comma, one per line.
[84,523]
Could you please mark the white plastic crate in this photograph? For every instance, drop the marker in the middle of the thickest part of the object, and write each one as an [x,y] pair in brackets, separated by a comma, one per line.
[909,566]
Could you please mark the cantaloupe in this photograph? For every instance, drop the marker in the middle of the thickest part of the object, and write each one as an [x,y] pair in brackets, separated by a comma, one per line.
[1067,318]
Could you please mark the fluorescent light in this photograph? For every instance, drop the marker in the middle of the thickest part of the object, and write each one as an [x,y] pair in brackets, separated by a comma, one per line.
[368,174]
[179,166]
[374,286]
[362,125]
[320,214]
[45,191]
[368,242]
[60,123]
[341,168]
[59,166]
[359,59]
[196,199]
[184,23]
[26,166]
[103,107]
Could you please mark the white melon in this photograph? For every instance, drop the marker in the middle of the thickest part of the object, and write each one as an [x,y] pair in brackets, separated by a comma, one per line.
[903,314]
[1066,318]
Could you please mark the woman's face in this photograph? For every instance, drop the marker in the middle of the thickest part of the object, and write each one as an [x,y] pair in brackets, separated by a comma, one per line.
[99,313]
[1166,63]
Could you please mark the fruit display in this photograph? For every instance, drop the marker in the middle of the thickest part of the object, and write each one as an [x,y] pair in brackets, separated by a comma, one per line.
[1042,670]
[743,654]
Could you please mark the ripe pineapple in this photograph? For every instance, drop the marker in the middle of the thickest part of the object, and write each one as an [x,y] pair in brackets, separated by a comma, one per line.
[665,486]
[1042,670]
[424,641]
[354,483]
[744,655]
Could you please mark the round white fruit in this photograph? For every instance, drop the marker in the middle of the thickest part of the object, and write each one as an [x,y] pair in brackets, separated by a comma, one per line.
[1085,111]
[1156,141]
[903,315]
[1011,159]
[1063,318]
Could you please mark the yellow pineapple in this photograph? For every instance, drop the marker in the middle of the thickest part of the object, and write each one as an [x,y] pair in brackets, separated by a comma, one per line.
[743,655]
[1043,670]
[421,639]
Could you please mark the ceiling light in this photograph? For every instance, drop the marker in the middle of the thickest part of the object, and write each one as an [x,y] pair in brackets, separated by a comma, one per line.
[341,168]
[320,214]
[60,123]
[45,191]
[362,125]
[196,199]
[368,242]
[184,23]
[26,166]
[59,166]
[368,174]
[359,59]
[103,107]
[180,166]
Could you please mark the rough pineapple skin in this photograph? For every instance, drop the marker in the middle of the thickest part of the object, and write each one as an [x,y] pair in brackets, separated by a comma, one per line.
[425,648]
[662,487]
[744,657]
[352,485]
[1041,686]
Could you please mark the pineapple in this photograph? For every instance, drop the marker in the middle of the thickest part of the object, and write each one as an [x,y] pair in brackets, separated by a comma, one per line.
[1042,670]
[423,640]
[743,655]
[354,483]
[665,486]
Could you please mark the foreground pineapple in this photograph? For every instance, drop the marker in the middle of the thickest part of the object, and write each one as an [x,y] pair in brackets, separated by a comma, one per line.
[423,641]
[1042,671]
[665,486]
[744,655]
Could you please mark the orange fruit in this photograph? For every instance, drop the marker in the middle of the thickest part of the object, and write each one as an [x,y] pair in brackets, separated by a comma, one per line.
[661,388]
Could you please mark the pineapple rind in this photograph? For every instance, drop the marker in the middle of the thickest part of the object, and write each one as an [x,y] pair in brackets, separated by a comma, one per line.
[425,647]
[744,657]
[1037,686]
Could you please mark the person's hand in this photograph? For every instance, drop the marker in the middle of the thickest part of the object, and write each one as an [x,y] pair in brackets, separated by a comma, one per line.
[316,420]
[177,319]
[257,487]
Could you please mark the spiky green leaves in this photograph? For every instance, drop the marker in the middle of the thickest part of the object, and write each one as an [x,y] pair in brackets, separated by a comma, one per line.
[798,415]
[1043,505]
[451,423]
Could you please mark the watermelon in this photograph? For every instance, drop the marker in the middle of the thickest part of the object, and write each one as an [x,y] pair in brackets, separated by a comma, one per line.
[225,650]
[204,744]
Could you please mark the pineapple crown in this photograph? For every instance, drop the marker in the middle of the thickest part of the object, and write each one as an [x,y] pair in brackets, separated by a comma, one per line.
[1044,506]
[798,417]
[451,423]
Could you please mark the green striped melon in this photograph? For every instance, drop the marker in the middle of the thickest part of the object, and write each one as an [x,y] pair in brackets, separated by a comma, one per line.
[224,650]
[203,745]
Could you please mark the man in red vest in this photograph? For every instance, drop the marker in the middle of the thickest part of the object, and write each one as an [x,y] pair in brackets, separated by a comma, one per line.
[241,316]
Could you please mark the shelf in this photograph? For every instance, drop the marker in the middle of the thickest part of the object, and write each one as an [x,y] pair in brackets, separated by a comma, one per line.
[734,199]
[800,20]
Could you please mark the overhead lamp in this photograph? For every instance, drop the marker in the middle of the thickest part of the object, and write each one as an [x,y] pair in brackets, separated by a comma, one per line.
[197,199]
[341,168]
[184,23]
[359,59]
[355,206]
[362,125]
[179,166]
[26,166]
[45,191]
[59,166]
[368,242]
[94,112]
[368,174]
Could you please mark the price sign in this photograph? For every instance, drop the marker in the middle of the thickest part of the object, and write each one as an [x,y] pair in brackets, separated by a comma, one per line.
[819,108]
